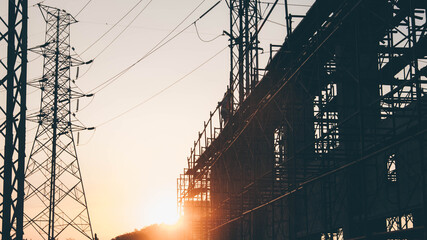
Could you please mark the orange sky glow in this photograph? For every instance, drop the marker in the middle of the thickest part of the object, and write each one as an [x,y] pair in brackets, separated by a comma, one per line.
[130,165]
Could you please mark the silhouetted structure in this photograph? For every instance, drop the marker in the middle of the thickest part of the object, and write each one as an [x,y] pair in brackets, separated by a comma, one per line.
[55,201]
[329,144]
[154,232]
[244,16]
[13,87]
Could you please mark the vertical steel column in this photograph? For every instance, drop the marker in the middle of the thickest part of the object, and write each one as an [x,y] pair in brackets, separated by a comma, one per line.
[51,233]
[241,40]
[412,32]
[288,20]
[13,31]
[19,211]
[243,48]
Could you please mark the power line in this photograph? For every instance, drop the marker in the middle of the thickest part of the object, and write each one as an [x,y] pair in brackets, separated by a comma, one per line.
[283,25]
[83,8]
[289,4]
[111,28]
[146,28]
[159,45]
[127,26]
[204,40]
[117,76]
[162,90]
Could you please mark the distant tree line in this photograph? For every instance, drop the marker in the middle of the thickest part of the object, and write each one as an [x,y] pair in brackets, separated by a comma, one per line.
[154,232]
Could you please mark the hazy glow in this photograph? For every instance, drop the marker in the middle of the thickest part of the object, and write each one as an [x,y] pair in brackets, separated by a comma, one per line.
[162,212]
[129,166]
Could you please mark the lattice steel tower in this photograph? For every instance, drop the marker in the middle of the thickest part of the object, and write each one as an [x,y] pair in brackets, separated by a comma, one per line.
[13,70]
[244,15]
[55,201]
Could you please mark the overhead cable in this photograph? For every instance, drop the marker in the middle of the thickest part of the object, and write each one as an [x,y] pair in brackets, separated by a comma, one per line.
[159,45]
[162,90]
[127,26]
[83,8]
[204,40]
[111,28]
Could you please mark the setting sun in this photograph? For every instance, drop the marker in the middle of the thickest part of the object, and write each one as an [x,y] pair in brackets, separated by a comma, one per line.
[162,210]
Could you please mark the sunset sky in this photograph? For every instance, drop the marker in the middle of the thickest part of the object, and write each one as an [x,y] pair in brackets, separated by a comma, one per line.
[130,165]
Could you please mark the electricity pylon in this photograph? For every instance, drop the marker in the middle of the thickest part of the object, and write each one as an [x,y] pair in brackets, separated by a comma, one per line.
[13,81]
[55,201]
[244,16]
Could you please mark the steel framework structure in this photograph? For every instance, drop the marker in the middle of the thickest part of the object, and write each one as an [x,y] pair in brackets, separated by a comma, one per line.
[55,201]
[244,16]
[13,67]
[330,143]
[244,75]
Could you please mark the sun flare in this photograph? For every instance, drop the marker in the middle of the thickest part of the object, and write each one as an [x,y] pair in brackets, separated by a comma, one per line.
[172,219]
[162,212]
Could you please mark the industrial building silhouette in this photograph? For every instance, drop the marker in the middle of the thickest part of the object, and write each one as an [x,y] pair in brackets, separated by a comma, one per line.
[328,140]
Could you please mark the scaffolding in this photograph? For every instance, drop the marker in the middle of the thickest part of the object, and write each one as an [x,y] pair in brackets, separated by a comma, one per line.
[329,144]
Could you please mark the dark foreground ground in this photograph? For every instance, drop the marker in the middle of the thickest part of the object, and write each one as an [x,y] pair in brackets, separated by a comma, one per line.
[154,232]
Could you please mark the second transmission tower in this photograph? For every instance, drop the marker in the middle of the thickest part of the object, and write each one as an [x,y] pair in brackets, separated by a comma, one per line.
[244,15]
[55,201]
